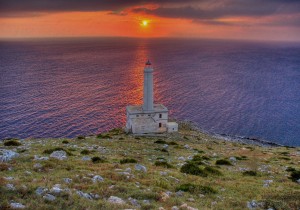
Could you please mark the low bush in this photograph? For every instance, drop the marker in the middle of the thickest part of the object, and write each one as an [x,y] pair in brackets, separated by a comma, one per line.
[163,164]
[191,168]
[241,157]
[159,141]
[164,150]
[194,189]
[172,143]
[290,169]
[213,171]
[223,162]
[12,143]
[250,173]
[80,137]
[85,152]
[65,142]
[295,175]
[128,160]
[98,160]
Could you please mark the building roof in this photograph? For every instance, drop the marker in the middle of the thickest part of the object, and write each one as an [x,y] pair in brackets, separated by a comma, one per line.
[138,109]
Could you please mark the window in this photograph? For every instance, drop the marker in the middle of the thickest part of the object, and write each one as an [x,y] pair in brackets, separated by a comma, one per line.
[159,125]
[160,115]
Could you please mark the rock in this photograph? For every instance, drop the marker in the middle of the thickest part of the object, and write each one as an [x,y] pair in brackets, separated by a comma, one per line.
[128,170]
[163,196]
[165,146]
[298,181]
[36,157]
[185,206]
[147,202]
[7,155]
[191,199]
[9,178]
[86,158]
[67,180]
[163,173]
[28,173]
[181,158]
[186,146]
[254,204]
[56,189]
[37,166]
[140,167]
[116,200]
[267,183]
[232,159]
[10,187]
[179,193]
[201,196]
[134,202]
[174,208]
[49,197]
[89,196]
[60,155]
[15,205]
[40,191]
[98,178]
[161,208]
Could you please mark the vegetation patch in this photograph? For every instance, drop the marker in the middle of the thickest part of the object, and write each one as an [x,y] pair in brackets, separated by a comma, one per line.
[128,160]
[191,168]
[212,170]
[295,175]
[223,162]
[97,159]
[192,188]
[172,143]
[85,152]
[159,141]
[241,157]
[103,136]
[80,137]
[65,142]
[163,164]
[290,169]
[12,143]
[250,173]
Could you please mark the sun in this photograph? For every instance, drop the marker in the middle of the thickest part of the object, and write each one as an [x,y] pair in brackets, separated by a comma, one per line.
[144,23]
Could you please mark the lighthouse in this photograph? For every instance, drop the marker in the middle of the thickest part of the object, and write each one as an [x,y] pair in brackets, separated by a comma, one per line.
[148,118]
[148,87]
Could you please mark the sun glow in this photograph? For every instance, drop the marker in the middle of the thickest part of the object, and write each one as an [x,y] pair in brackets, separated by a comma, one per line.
[145,23]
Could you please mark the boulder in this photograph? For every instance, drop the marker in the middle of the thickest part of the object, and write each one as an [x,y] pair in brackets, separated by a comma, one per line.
[36,157]
[140,167]
[67,180]
[116,200]
[98,178]
[41,190]
[60,155]
[7,155]
[15,205]
[49,197]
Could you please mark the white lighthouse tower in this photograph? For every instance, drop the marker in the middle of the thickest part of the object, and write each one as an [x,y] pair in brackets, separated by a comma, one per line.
[148,87]
[149,117]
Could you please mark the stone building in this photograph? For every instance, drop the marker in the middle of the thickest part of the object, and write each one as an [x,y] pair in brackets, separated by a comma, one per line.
[149,117]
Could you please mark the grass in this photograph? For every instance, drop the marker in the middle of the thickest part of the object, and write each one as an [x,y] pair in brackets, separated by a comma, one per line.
[49,151]
[223,187]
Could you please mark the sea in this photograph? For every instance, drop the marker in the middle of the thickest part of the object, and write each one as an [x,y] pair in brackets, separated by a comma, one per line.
[66,87]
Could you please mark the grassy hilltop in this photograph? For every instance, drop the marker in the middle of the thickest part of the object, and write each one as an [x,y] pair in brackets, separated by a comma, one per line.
[113,170]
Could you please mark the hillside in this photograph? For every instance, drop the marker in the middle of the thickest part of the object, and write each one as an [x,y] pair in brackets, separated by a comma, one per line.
[113,170]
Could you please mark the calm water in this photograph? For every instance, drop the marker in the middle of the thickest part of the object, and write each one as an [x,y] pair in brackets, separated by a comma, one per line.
[70,87]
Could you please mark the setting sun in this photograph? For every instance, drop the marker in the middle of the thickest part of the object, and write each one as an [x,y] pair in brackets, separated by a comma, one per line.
[145,23]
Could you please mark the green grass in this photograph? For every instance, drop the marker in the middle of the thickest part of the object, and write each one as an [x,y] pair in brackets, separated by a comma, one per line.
[193,169]
[196,189]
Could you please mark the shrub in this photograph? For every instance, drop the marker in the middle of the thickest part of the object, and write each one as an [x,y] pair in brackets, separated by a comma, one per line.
[223,162]
[159,141]
[241,157]
[192,188]
[164,150]
[137,138]
[290,169]
[212,171]
[121,138]
[12,143]
[295,175]
[128,160]
[85,152]
[98,160]
[103,136]
[65,142]
[191,168]
[249,173]
[80,137]
[172,143]
[163,164]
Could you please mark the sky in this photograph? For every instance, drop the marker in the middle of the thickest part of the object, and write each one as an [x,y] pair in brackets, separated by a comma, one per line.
[220,19]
